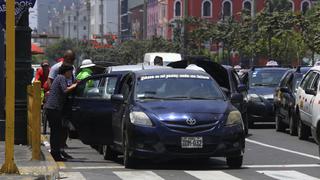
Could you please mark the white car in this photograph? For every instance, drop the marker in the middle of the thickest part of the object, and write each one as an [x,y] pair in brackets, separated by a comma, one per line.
[308,105]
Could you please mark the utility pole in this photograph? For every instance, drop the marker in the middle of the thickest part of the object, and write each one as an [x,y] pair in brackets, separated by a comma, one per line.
[102,19]
[2,83]
[145,16]
[89,17]
[69,19]
[185,29]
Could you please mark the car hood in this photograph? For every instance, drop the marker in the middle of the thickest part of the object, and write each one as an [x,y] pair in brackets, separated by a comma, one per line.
[262,91]
[177,112]
[184,106]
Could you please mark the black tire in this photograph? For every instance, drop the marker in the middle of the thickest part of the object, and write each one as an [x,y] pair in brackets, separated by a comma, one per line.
[292,125]
[246,124]
[44,121]
[109,153]
[128,160]
[303,133]
[280,126]
[251,123]
[235,162]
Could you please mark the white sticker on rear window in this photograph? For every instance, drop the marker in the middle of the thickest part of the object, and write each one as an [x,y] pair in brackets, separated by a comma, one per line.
[167,76]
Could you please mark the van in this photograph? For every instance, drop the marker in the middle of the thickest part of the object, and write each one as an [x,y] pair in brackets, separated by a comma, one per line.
[167,58]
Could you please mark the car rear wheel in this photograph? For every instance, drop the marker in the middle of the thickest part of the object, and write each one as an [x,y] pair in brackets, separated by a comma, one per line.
[280,126]
[292,125]
[108,153]
[235,162]
[128,160]
[303,133]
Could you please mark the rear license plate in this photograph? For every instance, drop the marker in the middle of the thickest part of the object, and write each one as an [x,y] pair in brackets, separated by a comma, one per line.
[191,142]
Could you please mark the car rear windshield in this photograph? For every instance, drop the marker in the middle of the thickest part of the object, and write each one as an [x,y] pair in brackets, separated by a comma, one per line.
[174,87]
[266,77]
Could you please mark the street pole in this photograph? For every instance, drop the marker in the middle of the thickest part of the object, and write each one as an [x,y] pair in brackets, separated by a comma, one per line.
[102,14]
[89,17]
[9,165]
[2,82]
[185,29]
[145,16]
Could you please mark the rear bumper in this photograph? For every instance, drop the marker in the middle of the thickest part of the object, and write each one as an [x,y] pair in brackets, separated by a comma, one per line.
[146,143]
[261,112]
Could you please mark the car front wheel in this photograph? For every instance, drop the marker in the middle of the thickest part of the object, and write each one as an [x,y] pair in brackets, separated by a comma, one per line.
[280,126]
[302,131]
[292,125]
[235,162]
[128,160]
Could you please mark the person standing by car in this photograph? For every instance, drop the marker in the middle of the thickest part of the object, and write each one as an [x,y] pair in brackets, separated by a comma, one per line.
[86,70]
[54,107]
[42,75]
[68,59]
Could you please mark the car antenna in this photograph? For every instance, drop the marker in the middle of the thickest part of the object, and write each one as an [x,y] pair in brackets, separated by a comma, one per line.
[142,66]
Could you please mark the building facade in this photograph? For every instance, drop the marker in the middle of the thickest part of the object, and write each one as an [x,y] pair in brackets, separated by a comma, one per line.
[103,17]
[216,10]
[157,18]
[46,10]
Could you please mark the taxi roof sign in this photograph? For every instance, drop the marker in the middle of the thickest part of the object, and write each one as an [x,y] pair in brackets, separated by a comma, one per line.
[272,63]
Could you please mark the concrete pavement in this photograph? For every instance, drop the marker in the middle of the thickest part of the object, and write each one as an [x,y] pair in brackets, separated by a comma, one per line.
[269,155]
[47,168]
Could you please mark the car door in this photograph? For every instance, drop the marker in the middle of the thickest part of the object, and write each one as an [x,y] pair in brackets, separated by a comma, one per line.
[126,89]
[285,95]
[236,83]
[311,95]
[92,109]
[305,98]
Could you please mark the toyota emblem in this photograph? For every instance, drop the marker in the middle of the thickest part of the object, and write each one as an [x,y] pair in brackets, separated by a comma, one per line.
[191,121]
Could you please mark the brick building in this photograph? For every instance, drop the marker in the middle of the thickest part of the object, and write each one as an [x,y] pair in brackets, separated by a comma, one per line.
[216,10]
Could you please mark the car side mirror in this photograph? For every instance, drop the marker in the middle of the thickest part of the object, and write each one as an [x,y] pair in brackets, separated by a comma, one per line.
[94,92]
[236,98]
[285,89]
[242,88]
[311,92]
[117,98]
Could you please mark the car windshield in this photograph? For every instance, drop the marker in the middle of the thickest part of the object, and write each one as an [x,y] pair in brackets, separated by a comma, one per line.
[192,87]
[266,77]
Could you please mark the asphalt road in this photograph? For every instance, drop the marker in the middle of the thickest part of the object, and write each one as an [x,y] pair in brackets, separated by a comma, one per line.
[269,155]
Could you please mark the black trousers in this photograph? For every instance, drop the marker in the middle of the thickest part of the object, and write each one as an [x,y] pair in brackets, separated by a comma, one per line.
[56,130]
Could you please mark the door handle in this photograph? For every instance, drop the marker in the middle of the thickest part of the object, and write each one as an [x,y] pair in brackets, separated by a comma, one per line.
[75,108]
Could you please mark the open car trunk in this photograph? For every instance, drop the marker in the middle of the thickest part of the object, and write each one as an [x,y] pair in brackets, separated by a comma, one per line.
[215,70]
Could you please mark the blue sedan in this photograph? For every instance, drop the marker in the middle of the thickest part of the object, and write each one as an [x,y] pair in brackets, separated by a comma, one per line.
[159,114]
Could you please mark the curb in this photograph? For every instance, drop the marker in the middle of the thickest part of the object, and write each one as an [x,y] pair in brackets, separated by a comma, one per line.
[52,168]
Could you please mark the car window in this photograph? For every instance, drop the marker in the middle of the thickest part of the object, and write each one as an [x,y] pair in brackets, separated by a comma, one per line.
[315,83]
[126,87]
[266,77]
[286,80]
[177,88]
[307,81]
[296,81]
[100,87]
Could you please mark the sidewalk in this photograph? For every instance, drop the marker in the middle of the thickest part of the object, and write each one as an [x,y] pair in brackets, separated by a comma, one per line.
[46,169]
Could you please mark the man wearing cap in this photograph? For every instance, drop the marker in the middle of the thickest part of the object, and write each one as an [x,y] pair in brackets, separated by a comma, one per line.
[42,75]
[86,71]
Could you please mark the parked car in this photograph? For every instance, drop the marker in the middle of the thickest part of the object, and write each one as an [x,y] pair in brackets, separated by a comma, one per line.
[285,98]
[261,83]
[225,76]
[308,105]
[159,114]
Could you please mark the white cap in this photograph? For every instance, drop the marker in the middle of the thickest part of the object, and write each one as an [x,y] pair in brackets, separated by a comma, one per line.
[195,67]
[86,63]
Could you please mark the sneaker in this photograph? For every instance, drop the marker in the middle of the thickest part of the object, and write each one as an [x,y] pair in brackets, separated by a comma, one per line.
[57,157]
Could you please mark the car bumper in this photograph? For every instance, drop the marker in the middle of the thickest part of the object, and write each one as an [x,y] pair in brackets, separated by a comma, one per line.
[261,112]
[148,143]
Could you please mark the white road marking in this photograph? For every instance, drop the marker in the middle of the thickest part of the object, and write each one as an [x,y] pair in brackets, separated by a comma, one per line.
[137,175]
[282,166]
[92,167]
[287,175]
[284,149]
[71,176]
[209,175]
